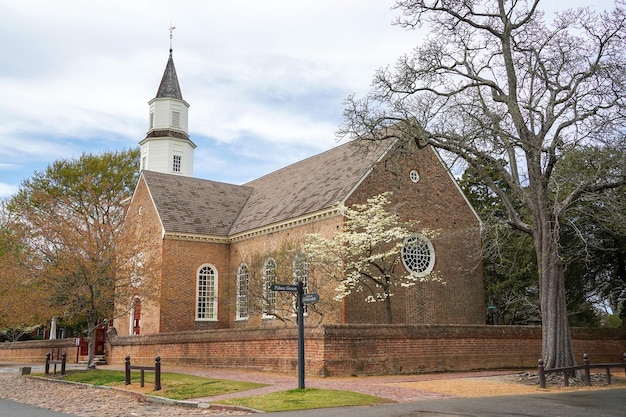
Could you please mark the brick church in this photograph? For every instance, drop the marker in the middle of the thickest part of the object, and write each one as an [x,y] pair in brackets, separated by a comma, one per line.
[218,247]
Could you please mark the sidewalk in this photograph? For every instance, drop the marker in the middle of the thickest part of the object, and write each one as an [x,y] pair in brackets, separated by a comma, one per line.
[395,388]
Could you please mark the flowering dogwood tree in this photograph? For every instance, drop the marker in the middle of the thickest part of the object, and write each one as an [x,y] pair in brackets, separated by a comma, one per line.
[365,257]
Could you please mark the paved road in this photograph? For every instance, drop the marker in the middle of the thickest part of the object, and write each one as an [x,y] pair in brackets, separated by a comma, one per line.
[13,409]
[597,403]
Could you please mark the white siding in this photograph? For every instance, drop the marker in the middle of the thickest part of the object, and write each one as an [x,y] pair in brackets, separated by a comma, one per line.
[159,153]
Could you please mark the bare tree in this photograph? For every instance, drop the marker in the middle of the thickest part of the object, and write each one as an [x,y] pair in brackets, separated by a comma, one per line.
[498,87]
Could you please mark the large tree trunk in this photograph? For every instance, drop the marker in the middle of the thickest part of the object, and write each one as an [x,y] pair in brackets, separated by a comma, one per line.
[557,348]
[92,324]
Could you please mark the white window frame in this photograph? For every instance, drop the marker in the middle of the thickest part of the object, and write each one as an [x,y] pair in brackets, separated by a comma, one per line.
[177,163]
[206,293]
[424,251]
[269,296]
[131,322]
[243,282]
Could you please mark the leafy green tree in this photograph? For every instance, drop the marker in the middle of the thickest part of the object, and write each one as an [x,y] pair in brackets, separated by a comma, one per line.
[365,256]
[509,263]
[593,233]
[493,81]
[592,240]
[72,214]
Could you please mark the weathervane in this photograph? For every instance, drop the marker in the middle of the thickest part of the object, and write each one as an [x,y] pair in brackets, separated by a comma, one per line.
[171,30]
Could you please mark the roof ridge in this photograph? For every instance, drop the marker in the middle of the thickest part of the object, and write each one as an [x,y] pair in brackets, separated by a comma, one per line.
[301,161]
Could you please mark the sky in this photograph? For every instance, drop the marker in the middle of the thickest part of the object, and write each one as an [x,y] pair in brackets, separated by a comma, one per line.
[265,79]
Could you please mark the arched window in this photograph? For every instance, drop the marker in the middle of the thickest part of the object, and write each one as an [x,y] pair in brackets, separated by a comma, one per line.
[135,317]
[206,293]
[269,296]
[242,292]
[418,255]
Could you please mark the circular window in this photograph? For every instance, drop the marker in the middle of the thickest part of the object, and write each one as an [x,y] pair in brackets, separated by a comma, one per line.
[418,255]
[414,175]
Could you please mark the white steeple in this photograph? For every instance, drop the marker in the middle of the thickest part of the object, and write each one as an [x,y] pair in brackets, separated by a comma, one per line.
[167,147]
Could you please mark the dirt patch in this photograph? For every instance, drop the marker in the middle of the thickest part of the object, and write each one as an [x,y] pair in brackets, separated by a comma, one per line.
[523,383]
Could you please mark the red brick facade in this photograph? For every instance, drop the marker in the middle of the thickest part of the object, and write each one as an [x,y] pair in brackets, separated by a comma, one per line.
[434,201]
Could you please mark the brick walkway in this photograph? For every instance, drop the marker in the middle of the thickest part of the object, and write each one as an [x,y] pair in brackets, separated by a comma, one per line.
[380,386]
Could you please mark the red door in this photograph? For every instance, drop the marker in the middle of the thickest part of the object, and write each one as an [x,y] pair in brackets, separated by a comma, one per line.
[99,340]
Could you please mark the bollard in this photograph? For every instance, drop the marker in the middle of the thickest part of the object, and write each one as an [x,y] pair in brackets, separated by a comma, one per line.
[63,362]
[47,370]
[542,374]
[156,368]
[157,373]
[587,370]
[127,370]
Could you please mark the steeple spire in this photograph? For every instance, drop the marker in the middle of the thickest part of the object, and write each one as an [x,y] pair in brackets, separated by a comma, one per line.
[169,87]
[167,147]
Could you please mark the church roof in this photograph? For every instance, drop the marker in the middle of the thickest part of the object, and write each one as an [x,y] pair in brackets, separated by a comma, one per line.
[169,87]
[310,185]
[196,206]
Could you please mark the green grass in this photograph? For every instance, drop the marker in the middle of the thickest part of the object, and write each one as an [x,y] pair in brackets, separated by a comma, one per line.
[183,386]
[299,399]
[173,385]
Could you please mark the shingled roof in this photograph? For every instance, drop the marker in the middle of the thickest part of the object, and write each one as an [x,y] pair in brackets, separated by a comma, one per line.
[195,206]
[169,86]
[190,205]
[310,185]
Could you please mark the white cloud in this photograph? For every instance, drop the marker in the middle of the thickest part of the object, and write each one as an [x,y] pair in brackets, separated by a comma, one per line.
[76,76]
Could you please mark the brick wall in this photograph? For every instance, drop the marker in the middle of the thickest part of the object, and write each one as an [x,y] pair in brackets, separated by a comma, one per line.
[181,262]
[281,246]
[34,351]
[142,226]
[343,350]
[436,204]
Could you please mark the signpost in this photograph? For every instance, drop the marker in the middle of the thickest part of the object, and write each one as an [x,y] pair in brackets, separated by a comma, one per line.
[302,299]
[310,298]
[284,287]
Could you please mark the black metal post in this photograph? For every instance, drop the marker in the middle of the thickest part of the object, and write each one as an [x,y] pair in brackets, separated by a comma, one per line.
[157,373]
[300,337]
[127,370]
[47,369]
[63,362]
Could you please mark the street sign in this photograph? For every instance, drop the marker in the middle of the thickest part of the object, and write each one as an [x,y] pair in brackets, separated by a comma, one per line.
[310,298]
[284,287]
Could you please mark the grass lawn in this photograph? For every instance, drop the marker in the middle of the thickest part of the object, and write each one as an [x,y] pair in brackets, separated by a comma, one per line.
[305,399]
[173,385]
